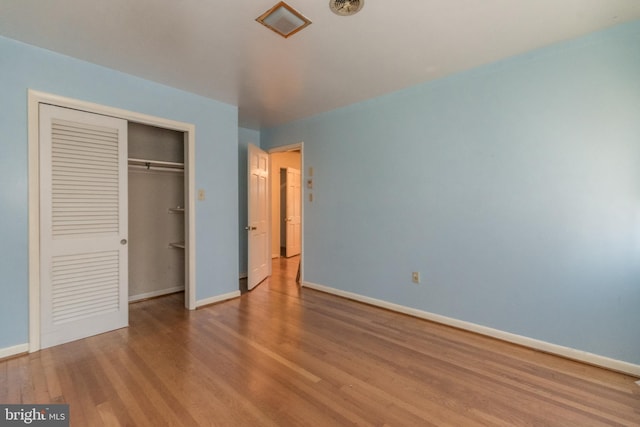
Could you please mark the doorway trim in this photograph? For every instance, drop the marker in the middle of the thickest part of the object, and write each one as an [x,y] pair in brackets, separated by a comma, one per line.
[282,149]
[35,98]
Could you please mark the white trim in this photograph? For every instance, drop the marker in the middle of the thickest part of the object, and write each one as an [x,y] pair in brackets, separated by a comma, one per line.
[218,298]
[285,148]
[134,298]
[569,353]
[190,216]
[282,149]
[34,99]
[33,121]
[13,350]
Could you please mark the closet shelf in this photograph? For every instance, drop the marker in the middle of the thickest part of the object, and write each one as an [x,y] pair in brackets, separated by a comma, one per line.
[176,210]
[179,245]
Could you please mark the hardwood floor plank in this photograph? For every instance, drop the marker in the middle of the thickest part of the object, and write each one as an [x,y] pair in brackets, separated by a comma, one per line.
[80,413]
[137,405]
[275,356]
[39,390]
[107,415]
[4,382]
[282,355]
[54,390]
[14,381]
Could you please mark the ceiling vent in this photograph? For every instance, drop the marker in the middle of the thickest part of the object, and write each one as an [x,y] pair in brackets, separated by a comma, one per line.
[283,19]
[346,7]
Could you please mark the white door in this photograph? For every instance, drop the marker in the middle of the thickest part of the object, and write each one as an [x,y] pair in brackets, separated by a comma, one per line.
[292,215]
[83,224]
[258,215]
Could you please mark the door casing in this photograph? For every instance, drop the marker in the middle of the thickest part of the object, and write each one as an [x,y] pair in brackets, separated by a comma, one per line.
[35,98]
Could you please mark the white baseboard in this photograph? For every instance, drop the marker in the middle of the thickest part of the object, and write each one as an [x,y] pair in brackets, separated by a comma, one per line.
[133,298]
[13,350]
[569,353]
[218,298]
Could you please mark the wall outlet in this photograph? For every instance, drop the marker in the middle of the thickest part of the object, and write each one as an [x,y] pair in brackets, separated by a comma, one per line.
[415,277]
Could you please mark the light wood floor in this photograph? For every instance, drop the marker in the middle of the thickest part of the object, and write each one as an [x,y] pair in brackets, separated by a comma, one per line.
[281,356]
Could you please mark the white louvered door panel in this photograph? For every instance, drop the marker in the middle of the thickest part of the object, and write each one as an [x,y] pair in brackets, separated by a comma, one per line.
[83,224]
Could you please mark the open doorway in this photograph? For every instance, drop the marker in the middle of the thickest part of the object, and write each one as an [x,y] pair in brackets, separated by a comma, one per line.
[286,204]
[287,210]
[278,158]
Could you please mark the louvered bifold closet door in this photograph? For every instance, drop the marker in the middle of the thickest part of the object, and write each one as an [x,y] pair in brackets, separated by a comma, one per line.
[83,220]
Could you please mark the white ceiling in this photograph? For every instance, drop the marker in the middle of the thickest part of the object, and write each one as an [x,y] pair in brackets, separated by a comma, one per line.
[216,49]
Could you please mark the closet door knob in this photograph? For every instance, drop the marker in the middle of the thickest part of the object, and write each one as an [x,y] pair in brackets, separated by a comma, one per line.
[123,241]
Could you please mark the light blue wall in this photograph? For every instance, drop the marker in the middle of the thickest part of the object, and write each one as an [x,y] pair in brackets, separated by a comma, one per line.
[23,67]
[513,188]
[245,137]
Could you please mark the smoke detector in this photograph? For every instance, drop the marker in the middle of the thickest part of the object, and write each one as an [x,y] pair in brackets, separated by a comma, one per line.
[346,7]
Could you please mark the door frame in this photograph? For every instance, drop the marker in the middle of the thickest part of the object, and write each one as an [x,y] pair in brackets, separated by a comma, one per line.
[35,98]
[282,149]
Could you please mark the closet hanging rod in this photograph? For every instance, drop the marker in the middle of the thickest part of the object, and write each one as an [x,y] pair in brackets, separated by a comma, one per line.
[156,163]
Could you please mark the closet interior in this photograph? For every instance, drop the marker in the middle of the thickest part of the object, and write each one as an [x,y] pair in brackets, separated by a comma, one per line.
[156,211]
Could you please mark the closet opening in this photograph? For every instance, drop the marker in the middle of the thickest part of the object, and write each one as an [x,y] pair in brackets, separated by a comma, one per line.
[156,211]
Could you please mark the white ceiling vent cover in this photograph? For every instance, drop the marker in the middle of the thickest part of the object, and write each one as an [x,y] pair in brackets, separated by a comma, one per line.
[346,7]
